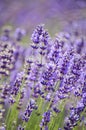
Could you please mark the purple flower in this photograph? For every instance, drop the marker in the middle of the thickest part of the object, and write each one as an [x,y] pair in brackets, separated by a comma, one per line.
[17,83]
[39,35]
[49,69]
[84,98]
[41,39]
[6,34]
[56,110]
[46,128]
[79,45]
[19,33]
[49,77]
[20,127]
[2,128]
[45,119]
[30,107]
[7,57]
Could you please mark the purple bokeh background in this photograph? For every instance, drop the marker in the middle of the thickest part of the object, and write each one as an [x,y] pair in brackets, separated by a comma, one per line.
[55,14]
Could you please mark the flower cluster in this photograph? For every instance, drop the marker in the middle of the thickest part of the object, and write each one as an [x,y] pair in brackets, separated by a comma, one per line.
[42,81]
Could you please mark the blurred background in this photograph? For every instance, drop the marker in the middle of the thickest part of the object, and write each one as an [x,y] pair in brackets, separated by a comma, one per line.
[57,15]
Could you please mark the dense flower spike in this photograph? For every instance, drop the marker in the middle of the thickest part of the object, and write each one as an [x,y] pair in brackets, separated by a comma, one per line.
[74,116]
[40,35]
[17,84]
[49,77]
[41,40]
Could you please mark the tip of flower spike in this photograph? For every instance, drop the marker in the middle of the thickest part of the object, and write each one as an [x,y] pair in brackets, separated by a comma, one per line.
[40,35]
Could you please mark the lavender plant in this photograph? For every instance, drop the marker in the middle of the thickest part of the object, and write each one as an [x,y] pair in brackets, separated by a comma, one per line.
[42,87]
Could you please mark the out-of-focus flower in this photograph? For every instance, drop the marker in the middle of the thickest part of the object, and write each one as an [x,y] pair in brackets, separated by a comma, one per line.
[45,120]
[7,57]
[19,33]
